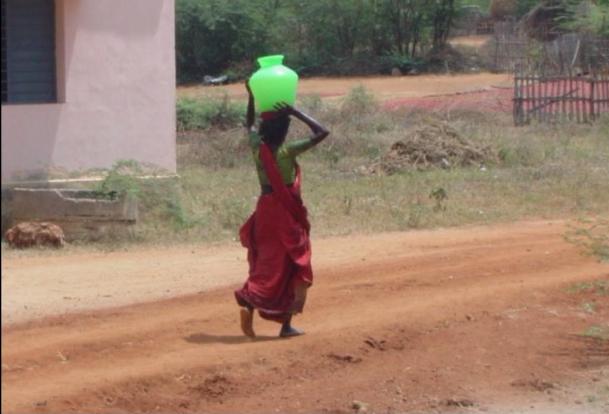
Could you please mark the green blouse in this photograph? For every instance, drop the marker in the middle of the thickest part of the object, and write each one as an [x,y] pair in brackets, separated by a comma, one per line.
[285,157]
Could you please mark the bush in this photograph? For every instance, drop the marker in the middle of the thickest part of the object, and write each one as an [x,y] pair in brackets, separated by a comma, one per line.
[359,101]
[206,112]
[121,180]
[447,58]
[238,72]
[404,63]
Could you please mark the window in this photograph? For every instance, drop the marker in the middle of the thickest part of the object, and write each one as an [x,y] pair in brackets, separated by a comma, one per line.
[4,84]
[28,51]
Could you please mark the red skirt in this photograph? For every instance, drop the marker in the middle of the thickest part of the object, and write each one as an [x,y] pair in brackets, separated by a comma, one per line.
[279,256]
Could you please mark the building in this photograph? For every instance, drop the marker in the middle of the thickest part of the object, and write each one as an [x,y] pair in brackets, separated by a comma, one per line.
[86,83]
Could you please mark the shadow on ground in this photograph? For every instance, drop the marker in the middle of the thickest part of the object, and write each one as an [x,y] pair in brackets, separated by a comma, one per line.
[203,338]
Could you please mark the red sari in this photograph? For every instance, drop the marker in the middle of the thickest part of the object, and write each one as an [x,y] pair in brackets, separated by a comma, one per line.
[276,236]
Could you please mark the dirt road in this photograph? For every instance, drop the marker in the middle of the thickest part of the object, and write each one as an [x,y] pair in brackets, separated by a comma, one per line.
[466,320]
[383,87]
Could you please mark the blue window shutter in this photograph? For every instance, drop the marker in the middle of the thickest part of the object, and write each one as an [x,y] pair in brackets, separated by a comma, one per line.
[30,51]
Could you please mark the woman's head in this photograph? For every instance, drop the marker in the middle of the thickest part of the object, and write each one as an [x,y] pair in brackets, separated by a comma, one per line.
[273,131]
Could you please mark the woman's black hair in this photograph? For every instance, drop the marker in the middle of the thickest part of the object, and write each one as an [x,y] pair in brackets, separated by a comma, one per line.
[274,131]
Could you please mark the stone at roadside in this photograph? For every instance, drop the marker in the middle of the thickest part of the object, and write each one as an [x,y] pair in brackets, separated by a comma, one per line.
[33,234]
[396,72]
[360,407]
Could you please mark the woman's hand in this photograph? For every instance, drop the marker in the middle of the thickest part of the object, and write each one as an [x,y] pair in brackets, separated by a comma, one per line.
[319,132]
[284,108]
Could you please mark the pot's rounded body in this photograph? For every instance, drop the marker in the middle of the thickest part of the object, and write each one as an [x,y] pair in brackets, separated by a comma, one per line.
[273,83]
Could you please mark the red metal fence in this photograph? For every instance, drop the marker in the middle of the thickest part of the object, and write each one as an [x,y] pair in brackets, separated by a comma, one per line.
[560,98]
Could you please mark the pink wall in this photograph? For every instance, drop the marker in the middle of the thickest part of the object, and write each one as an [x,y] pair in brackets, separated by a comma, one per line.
[116,84]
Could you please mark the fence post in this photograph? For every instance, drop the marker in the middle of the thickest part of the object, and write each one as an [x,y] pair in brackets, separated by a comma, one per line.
[497,52]
[592,83]
[515,100]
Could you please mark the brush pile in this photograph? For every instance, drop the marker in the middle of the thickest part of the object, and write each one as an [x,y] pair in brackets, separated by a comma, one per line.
[435,145]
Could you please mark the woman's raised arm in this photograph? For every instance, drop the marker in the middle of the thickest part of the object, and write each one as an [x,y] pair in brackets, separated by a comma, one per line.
[319,131]
[250,117]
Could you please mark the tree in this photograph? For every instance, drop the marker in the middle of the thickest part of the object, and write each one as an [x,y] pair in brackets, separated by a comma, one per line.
[404,20]
[316,36]
[587,16]
[443,13]
[213,34]
[502,9]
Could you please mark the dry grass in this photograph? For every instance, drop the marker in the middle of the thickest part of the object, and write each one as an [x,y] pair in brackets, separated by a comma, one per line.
[540,171]
[537,171]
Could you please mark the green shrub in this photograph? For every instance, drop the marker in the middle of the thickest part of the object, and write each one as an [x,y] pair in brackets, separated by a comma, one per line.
[404,63]
[207,112]
[311,104]
[359,101]
[121,180]
[523,154]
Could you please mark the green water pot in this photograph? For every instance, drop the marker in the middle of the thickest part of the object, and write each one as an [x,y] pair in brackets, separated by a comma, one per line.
[273,83]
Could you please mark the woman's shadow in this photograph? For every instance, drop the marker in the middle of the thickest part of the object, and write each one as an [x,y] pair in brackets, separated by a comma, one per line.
[203,338]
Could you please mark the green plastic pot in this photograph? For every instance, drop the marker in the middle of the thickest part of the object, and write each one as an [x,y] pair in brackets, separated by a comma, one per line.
[273,83]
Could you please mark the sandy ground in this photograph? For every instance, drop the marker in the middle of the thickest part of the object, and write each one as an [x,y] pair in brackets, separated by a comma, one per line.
[477,319]
[474,41]
[384,87]
[38,285]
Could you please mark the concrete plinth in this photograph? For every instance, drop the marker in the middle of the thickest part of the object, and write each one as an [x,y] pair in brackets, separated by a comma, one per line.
[82,214]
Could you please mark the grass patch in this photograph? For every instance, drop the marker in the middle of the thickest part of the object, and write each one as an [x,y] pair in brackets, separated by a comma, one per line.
[548,172]
[209,112]
[597,287]
[540,171]
[592,236]
[597,332]
[589,307]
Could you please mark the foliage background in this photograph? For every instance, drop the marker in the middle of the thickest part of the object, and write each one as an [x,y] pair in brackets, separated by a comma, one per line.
[337,37]
[318,37]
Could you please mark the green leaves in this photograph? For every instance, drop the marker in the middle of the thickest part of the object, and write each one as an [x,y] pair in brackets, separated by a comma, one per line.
[216,37]
[213,34]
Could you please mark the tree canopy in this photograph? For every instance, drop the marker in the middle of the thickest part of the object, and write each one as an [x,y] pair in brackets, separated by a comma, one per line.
[328,37]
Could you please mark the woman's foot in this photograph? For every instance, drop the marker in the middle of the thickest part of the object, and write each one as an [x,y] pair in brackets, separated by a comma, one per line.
[247,322]
[289,331]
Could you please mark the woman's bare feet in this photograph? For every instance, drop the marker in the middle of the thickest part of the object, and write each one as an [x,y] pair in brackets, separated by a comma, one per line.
[289,331]
[247,322]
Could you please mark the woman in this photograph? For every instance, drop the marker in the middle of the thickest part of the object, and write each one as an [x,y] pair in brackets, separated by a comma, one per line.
[277,233]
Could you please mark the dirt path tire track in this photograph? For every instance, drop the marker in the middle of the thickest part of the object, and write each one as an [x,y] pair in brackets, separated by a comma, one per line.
[402,321]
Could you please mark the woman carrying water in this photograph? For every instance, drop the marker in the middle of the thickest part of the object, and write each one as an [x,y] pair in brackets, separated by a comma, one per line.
[277,234]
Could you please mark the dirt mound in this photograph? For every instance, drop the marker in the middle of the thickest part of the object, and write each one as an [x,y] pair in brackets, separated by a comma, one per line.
[435,145]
